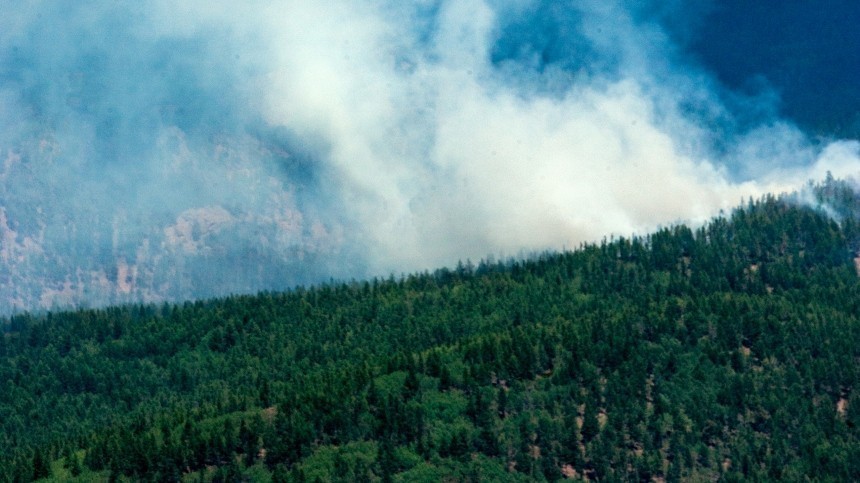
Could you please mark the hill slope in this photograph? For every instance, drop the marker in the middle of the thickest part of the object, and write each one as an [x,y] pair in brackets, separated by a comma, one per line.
[729,351]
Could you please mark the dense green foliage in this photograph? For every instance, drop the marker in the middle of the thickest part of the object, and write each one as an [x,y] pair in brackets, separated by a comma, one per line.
[729,351]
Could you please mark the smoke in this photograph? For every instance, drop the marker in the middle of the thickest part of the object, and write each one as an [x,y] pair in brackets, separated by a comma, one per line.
[154,151]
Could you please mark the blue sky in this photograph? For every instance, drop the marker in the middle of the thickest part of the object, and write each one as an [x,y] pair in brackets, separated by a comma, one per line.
[170,150]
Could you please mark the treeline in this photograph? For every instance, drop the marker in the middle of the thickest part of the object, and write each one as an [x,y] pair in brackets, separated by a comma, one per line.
[724,352]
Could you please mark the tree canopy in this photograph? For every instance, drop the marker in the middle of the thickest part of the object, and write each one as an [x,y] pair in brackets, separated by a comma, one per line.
[724,351]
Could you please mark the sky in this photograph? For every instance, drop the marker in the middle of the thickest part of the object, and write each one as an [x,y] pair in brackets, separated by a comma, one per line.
[159,150]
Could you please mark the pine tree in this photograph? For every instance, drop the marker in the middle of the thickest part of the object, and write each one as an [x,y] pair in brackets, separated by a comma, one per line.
[73,462]
[590,424]
[41,465]
[385,460]
[411,385]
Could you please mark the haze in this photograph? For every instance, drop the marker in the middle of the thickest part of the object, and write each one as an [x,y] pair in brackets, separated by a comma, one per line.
[151,151]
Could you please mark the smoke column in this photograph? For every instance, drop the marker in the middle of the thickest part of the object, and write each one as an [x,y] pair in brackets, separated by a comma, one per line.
[151,151]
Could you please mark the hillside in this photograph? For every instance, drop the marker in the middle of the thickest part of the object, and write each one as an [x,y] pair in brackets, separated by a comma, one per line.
[726,352]
[98,252]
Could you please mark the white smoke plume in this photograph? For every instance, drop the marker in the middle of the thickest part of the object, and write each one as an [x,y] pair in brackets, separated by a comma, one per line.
[155,151]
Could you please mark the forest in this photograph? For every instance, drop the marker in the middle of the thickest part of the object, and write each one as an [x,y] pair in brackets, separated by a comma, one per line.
[723,352]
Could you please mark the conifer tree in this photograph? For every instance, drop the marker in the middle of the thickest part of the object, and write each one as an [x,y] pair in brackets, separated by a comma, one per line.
[41,465]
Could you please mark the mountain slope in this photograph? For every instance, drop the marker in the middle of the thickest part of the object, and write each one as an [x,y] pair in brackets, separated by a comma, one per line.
[66,245]
[729,351]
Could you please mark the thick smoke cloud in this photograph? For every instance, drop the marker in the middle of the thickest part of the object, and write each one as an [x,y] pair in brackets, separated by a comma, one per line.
[158,152]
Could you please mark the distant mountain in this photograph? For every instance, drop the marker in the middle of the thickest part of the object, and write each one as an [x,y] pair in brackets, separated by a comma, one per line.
[727,352]
[113,242]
